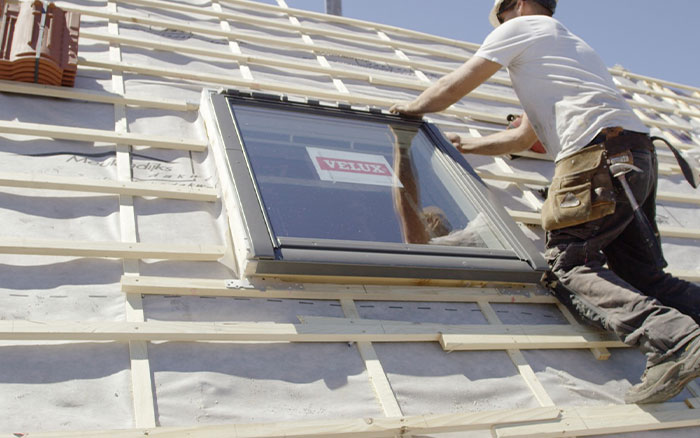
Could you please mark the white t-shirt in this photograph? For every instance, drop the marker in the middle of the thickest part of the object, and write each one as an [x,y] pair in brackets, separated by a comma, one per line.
[563,85]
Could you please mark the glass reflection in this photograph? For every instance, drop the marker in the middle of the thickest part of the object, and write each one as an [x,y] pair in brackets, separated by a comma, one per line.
[325,177]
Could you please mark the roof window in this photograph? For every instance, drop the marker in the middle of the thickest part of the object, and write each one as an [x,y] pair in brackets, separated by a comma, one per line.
[334,192]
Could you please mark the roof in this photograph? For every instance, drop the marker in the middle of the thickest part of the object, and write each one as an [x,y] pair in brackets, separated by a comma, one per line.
[120,303]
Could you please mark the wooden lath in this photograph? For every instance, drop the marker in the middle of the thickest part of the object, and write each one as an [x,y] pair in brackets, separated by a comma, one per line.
[129,188]
[269,289]
[95,96]
[547,422]
[126,250]
[602,420]
[100,135]
[477,337]
[340,428]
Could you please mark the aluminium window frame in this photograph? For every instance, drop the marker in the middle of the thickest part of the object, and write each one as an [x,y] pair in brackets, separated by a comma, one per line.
[288,257]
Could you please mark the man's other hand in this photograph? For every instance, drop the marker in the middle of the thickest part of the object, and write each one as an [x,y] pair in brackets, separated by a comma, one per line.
[455,139]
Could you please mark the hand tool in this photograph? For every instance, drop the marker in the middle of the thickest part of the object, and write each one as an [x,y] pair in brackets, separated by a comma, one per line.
[618,170]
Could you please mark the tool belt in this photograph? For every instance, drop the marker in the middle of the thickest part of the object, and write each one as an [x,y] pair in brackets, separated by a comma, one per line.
[582,187]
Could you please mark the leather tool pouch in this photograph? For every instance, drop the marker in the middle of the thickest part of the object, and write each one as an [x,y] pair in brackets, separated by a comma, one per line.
[581,190]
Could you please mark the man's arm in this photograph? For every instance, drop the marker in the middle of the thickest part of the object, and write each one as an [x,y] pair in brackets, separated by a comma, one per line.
[508,141]
[450,88]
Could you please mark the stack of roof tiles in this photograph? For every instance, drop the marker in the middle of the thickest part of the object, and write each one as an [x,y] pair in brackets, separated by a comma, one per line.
[39,43]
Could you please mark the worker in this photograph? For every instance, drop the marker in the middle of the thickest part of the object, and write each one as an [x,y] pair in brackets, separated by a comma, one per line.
[572,105]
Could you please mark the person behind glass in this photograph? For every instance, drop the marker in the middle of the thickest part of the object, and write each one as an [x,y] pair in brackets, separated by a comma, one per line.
[599,265]
[418,224]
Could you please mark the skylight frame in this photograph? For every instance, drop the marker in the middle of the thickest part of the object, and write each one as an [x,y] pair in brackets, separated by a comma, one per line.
[290,257]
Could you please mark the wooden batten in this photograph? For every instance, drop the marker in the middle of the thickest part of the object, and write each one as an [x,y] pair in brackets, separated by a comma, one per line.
[98,135]
[288,290]
[130,188]
[342,428]
[127,250]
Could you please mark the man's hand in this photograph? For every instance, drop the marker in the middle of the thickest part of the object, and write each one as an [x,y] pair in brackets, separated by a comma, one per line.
[404,108]
[449,88]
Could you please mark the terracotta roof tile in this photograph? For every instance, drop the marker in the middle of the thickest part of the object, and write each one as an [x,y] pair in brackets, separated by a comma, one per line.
[20,30]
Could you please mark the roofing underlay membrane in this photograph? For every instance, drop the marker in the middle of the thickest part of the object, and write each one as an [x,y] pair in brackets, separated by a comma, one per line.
[83,238]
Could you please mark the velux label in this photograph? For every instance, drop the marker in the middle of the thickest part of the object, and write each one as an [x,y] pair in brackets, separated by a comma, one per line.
[352,167]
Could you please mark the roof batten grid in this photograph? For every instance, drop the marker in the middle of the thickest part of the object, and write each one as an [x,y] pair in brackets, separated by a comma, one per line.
[535,202]
[423,66]
[141,383]
[328,293]
[374,79]
[628,74]
[351,21]
[377,376]
[234,48]
[377,79]
[297,27]
[262,39]
[519,360]
[290,27]
[276,87]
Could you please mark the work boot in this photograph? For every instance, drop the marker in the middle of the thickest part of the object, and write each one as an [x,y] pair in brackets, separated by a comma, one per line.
[667,379]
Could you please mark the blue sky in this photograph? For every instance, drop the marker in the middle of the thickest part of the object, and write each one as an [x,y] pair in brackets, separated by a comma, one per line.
[649,37]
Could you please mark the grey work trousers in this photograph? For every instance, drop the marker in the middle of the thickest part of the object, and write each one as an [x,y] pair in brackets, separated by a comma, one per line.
[644,306]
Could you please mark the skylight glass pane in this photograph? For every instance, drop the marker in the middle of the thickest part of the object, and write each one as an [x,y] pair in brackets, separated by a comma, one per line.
[327,177]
